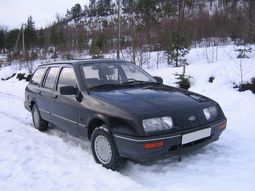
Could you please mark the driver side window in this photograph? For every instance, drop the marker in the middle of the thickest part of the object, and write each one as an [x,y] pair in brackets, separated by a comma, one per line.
[66,78]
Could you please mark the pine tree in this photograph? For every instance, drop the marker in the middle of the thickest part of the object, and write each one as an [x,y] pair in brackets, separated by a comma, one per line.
[104,7]
[92,8]
[178,49]
[30,33]
[128,6]
[57,37]
[76,12]
[11,38]
[40,38]
[148,10]
[2,40]
[97,45]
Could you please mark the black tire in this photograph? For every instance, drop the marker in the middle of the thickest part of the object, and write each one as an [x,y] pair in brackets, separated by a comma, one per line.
[38,122]
[114,161]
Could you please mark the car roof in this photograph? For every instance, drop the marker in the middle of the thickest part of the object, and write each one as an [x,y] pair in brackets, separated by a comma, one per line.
[83,61]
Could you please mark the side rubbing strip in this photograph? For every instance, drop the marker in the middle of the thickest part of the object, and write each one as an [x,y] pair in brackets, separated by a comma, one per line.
[82,125]
[44,111]
[71,121]
[145,140]
[64,118]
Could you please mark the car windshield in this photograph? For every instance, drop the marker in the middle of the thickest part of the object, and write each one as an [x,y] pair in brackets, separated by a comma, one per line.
[114,75]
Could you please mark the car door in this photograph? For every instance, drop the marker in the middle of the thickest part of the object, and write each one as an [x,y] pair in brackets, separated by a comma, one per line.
[65,108]
[45,93]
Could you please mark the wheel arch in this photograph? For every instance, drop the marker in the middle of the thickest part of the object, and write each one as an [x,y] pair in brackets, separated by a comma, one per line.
[112,124]
[32,103]
[95,122]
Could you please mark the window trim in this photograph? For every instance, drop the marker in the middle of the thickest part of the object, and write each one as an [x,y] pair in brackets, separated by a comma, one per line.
[60,71]
[46,75]
[42,79]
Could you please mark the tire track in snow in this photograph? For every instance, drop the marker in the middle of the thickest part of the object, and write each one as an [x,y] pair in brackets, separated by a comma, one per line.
[11,96]
[54,132]
[85,144]
[14,117]
[8,114]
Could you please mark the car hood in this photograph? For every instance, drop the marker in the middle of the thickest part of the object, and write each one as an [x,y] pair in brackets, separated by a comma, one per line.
[151,101]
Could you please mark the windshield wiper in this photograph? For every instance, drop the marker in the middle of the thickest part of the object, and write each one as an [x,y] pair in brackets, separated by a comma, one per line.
[102,86]
[129,83]
[135,82]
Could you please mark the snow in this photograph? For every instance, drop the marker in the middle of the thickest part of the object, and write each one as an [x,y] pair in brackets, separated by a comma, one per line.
[31,160]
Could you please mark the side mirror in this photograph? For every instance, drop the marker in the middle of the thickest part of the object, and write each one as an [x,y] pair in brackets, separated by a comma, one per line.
[158,79]
[68,90]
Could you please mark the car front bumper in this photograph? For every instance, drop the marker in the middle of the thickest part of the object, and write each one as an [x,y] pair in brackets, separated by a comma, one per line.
[134,147]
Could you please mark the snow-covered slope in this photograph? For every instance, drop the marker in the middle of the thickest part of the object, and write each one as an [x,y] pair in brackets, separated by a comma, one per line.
[31,160]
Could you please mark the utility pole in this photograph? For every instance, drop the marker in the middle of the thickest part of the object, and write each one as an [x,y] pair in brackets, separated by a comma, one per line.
[23,43]
[21,33]
[18,38]
[118,40]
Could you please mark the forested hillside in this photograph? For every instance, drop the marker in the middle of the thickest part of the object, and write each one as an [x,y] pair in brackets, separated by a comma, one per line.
[145,25]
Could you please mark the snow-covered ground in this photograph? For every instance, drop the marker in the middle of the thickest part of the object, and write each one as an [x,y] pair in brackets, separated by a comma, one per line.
[31,160]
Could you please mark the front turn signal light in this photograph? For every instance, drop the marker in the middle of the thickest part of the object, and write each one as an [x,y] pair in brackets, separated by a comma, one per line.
[154,145]
[222,126]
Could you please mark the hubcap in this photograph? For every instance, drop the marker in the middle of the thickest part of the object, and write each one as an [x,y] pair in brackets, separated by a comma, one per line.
[103,149]
[36,118]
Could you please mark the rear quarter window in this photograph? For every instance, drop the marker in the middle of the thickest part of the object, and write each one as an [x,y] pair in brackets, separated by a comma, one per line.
[37,76]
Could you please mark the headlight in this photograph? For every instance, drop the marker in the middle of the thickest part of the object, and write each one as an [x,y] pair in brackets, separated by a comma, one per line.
[210,112]
[168,122]
[157,124]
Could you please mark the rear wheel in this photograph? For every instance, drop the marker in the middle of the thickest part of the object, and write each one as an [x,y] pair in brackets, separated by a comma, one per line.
[104,149]
[38,122]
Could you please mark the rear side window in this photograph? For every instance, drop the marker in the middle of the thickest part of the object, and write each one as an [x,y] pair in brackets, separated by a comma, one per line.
[37,77]
[51,77]
[66,78]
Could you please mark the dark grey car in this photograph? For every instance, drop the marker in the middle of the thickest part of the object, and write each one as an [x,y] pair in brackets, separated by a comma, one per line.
[125,112]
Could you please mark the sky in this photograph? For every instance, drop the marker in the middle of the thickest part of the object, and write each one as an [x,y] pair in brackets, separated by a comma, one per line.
[15,12]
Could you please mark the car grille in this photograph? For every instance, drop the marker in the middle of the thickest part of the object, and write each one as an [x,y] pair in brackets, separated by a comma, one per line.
[190,118]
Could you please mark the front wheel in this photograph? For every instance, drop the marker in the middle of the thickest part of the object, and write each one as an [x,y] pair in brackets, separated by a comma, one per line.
[104,149]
